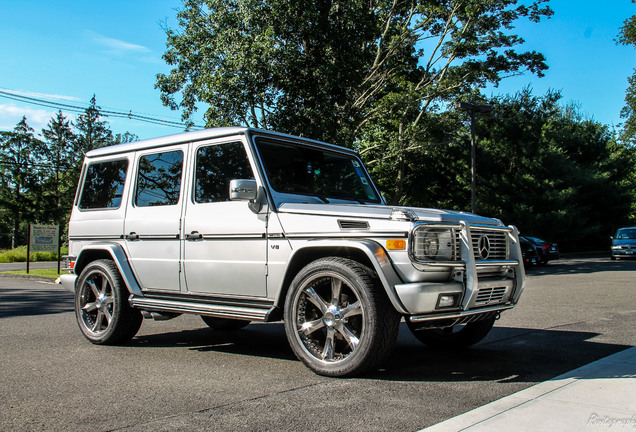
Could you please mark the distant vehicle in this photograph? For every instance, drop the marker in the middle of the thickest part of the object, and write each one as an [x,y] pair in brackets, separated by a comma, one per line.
[624,243]
[546,251]
[529,253]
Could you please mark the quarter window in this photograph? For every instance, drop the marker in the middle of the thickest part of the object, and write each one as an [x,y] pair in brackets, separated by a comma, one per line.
[216,165]
[159,179]
[104,185]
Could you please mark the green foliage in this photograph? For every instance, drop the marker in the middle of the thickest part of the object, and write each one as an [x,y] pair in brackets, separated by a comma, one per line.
[627,36]
[19,254]
[553,173]
[38,177]
[326,69]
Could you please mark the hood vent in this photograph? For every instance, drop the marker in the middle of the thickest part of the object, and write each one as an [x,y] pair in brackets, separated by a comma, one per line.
[353,225]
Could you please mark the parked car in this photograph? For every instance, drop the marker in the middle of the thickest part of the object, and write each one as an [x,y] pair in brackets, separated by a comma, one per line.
[546,251]
[529,253]
[624,243]
[239,225]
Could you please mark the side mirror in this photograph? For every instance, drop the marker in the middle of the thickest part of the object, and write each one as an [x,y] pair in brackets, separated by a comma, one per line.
[247,190]
[243,190]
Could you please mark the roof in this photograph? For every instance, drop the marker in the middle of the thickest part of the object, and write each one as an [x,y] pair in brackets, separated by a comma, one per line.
[196,136]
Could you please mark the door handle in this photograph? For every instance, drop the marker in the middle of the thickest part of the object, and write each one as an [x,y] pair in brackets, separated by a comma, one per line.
[132,236]
[194,235]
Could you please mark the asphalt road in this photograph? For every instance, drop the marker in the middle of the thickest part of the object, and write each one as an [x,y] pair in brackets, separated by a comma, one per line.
[180,375]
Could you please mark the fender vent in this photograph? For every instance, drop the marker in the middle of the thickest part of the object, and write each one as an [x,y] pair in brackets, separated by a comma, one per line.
[353,225]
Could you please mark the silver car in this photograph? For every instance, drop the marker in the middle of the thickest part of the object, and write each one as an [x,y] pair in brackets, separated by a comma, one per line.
[240,225]
[624,243]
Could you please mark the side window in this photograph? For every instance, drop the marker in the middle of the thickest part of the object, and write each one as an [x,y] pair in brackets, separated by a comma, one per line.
[103,185]
[216,165]
[159,179]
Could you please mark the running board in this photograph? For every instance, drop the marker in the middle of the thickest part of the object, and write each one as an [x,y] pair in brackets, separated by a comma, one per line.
[261,312]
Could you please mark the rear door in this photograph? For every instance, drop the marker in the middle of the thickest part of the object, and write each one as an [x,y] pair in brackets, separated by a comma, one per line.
[153,221]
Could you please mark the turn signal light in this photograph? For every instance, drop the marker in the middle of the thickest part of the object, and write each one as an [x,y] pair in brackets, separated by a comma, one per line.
[396,244]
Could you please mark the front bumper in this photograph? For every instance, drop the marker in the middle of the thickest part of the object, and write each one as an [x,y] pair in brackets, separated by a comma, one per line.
[477,285]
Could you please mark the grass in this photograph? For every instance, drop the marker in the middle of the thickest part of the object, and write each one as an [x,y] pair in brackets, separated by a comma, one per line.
[19,254]
[47,273]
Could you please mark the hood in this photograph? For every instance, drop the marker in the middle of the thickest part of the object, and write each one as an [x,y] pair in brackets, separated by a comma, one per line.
[624,242]
[384,212]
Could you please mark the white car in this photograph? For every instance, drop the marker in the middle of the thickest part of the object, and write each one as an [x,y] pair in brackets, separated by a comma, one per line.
[241,225]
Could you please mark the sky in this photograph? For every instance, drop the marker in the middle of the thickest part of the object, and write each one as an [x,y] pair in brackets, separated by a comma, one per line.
[66,51]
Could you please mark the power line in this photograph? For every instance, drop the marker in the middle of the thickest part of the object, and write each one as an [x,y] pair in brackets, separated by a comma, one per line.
[9,94]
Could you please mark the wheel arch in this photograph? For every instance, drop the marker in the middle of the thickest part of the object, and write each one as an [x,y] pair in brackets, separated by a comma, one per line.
[113,252]
[366,252]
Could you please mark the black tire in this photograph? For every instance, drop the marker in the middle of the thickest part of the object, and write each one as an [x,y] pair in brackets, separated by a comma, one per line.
[338,319]
[224,324]
[452,338]
[101,305]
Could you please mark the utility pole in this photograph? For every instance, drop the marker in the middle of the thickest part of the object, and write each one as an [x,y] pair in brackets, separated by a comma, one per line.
[472,109]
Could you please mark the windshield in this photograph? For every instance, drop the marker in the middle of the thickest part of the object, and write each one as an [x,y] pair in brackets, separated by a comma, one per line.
[626,233]
[301,170]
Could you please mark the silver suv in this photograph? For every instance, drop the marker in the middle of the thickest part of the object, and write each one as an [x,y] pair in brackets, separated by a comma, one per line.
[239,225]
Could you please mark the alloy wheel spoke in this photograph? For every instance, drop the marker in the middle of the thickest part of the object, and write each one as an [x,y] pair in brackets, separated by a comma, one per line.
[89,307]
[351,338]
[107,315]
[104,286]
[328,350]
[336,288]
[311,326]
[91,284]
[352,310]
[98,322]
[315,298]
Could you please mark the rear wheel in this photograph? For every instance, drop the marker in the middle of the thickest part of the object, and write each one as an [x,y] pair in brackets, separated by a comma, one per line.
[101,305]
[338,319]
[455,337]
[224,324]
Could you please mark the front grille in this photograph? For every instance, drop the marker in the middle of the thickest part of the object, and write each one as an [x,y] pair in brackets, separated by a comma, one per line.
[486,296]
[489,245]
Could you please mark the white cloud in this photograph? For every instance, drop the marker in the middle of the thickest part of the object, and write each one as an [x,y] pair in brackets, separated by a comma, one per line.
[116,46]
[38,119]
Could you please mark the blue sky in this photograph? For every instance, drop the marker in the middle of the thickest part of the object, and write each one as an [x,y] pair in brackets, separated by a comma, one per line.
[66,51]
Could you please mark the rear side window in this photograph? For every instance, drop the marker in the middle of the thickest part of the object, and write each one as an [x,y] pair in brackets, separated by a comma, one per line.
[104,185]
[216,165]
[159,179]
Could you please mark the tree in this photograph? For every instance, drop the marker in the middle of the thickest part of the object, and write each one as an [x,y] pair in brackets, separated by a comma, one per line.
[552,172]
[92,132]
[627,36]
[21,160]
[337,70]
[349,72]
[59,186]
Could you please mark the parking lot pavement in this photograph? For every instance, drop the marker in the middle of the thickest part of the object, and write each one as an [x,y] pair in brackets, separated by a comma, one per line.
[598,396]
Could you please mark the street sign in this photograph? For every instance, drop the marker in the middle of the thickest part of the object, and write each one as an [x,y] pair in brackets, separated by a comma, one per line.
[44,238]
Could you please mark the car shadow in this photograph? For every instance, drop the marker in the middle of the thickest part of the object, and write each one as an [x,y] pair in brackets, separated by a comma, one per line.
[508,354]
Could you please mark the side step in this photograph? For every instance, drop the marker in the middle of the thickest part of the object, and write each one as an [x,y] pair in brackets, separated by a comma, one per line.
[221,308]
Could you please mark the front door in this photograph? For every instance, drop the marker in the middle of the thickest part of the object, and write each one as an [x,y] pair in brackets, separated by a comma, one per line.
[225,242]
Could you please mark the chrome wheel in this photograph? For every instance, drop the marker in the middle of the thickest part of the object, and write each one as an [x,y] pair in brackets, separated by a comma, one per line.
[101,307]
[96,303]
[329,318]
[338,319]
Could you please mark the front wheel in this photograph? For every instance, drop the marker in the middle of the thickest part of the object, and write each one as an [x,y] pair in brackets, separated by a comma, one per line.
[101,307]
[338,319]
[455,337]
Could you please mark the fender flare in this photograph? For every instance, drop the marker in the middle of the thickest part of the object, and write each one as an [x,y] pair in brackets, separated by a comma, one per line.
[376,255]
[116,252]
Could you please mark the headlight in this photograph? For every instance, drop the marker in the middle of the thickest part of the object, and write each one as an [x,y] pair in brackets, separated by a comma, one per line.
[434,244]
